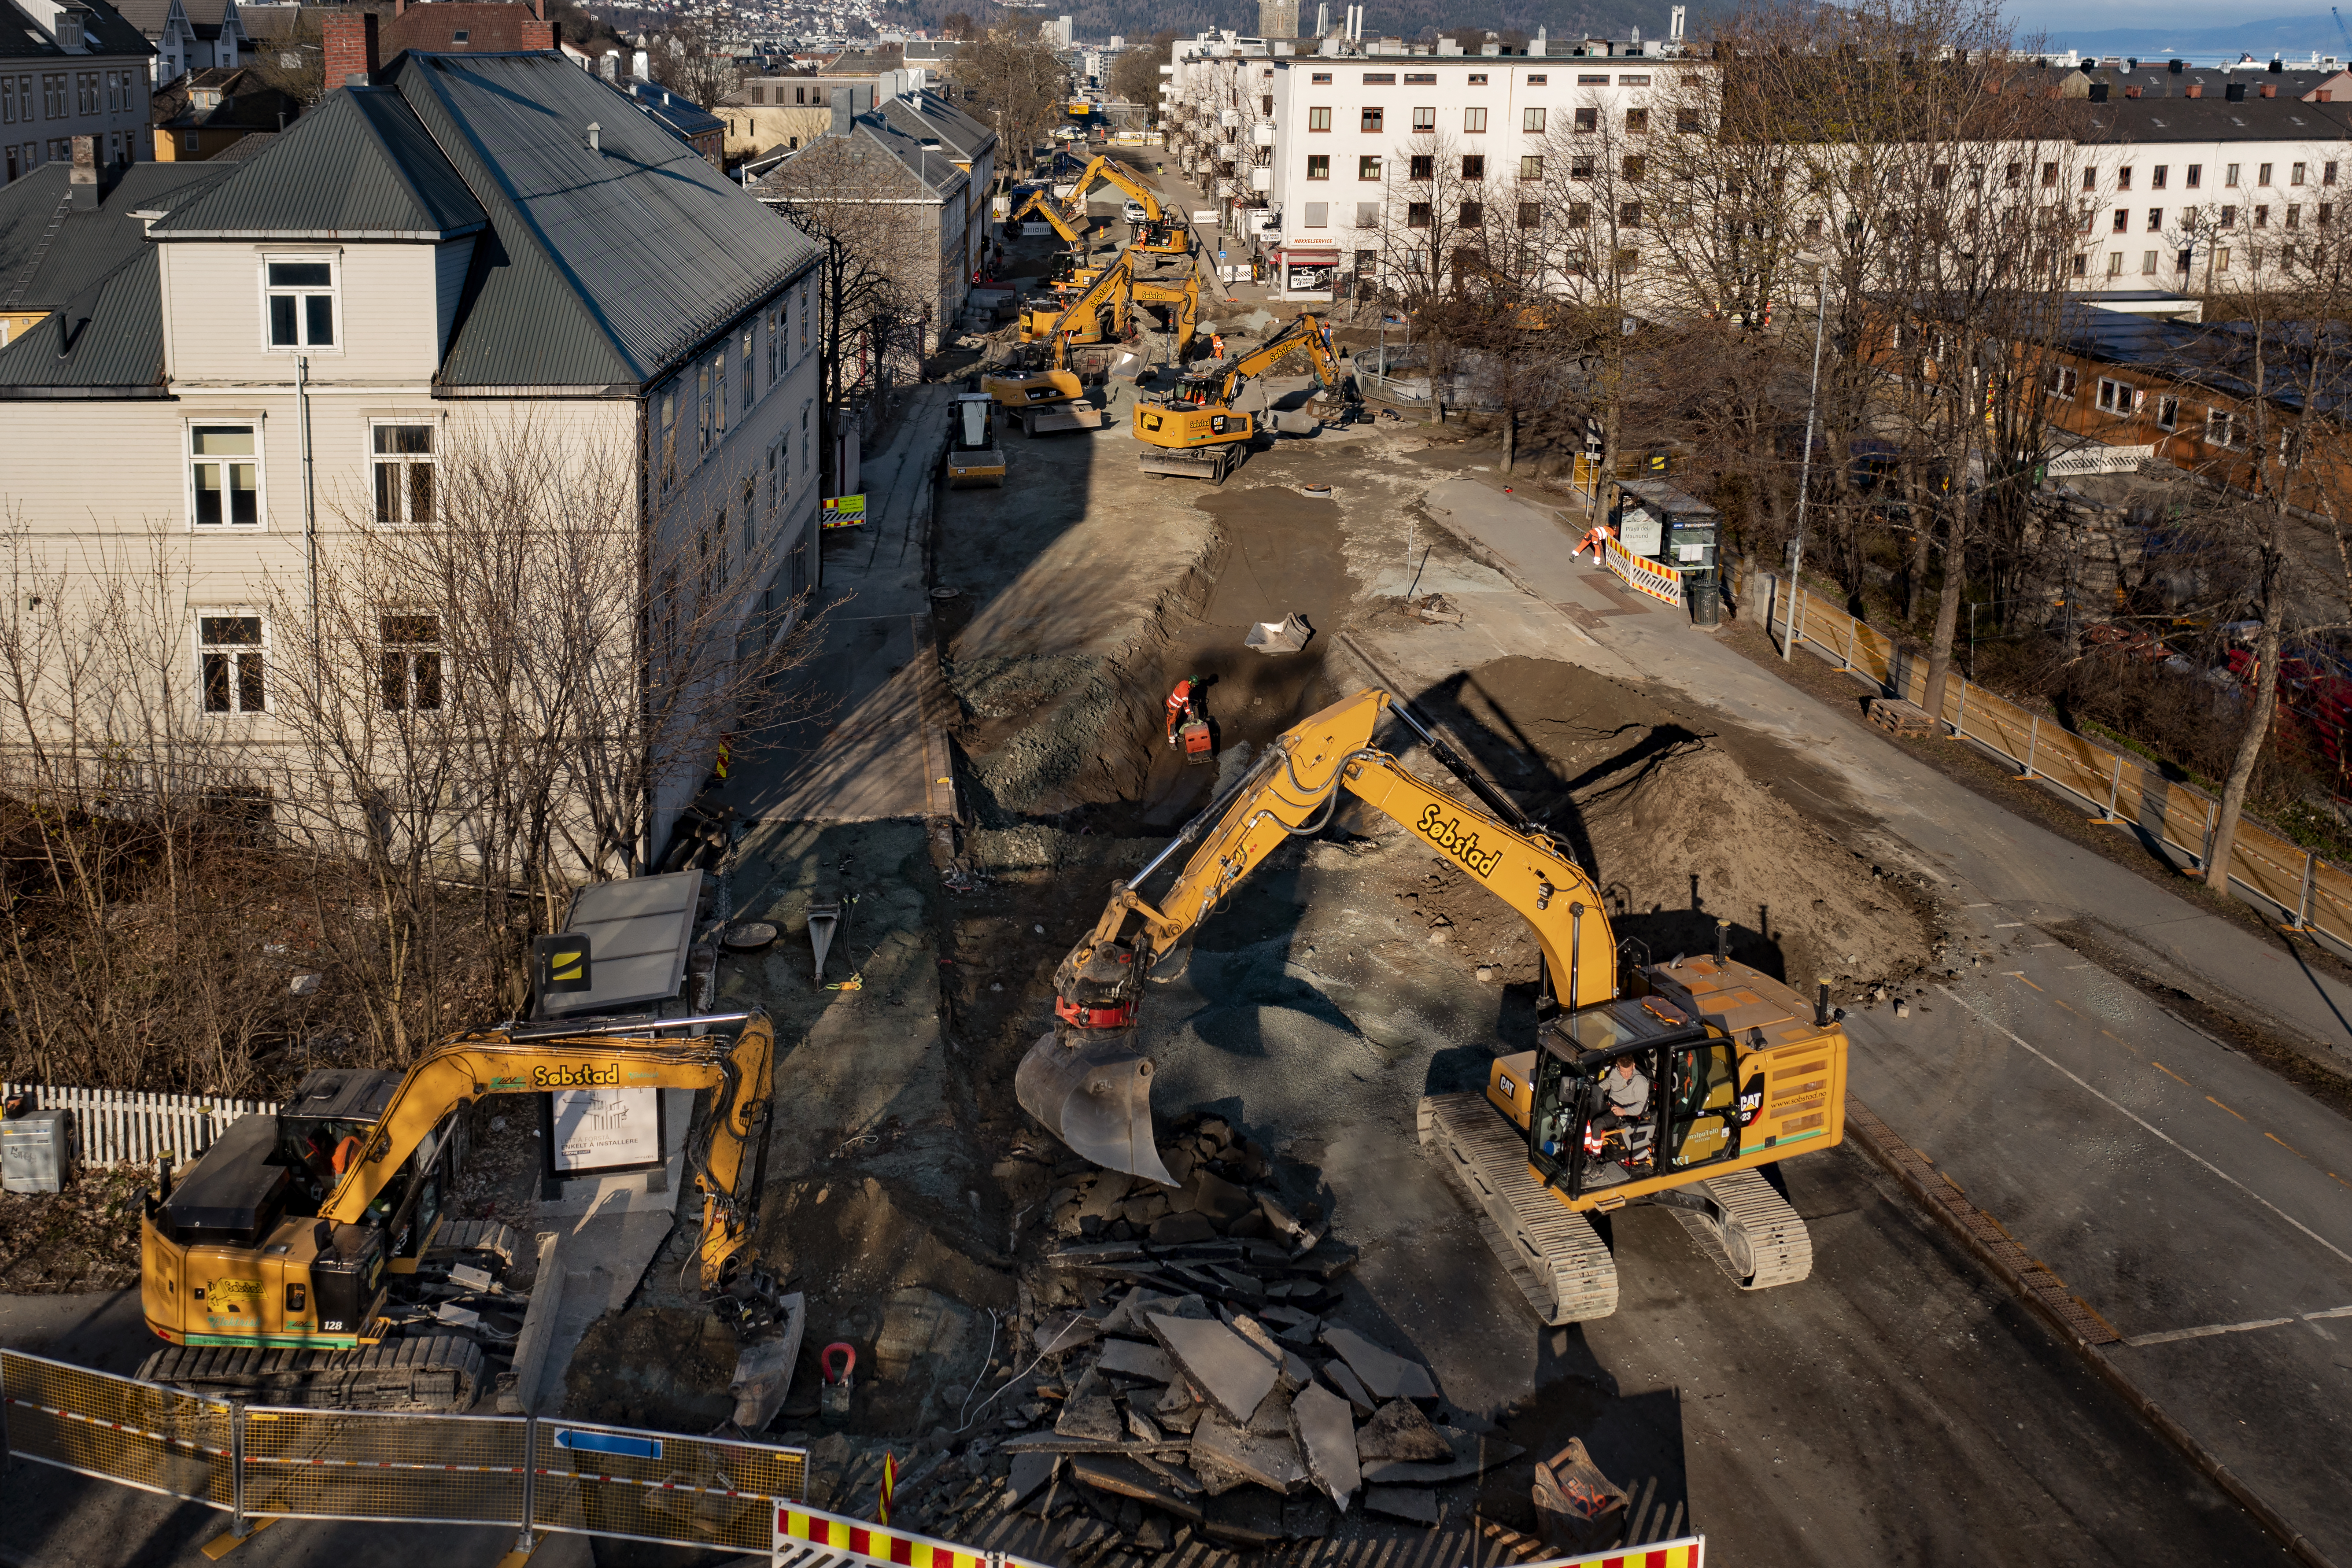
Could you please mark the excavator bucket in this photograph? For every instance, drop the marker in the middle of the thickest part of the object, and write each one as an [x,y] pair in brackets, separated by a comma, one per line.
[1095,1097]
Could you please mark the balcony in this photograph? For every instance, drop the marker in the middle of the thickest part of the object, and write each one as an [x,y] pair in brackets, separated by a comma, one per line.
[1262,135]
[1261,179]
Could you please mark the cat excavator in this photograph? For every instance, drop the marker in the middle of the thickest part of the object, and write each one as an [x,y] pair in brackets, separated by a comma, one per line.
[1051,397]
[1040,202]
[307,1257]
[1158,234]
[1670,1084]
[1196,432]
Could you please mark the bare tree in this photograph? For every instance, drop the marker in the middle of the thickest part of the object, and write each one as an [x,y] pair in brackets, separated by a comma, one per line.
[1014,81]
[694,58]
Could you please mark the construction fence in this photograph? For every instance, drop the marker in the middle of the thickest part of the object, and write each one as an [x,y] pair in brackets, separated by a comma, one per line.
[112,1125]
[532,1476]
[2122,789]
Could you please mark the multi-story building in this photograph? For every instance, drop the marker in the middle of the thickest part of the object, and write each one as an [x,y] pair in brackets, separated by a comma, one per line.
[455,252]
[63,224]
[69,71]
[206,112]
[189,35]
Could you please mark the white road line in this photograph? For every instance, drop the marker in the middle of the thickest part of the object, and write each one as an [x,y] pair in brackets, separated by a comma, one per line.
[2008,925]
[2207,1332]
[2210,1329]
[2143,1122]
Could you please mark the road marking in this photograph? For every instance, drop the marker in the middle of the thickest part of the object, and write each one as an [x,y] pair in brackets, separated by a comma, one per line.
[2019,974]
[2209,1100]
[2170,1073]
[2152,1129]
[2209,1330]
[2068,1005]
[2008,925]
[2285,1144]
[1975,906]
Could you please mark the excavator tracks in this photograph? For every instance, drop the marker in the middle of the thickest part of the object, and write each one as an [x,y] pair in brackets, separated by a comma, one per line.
[1550,1251]
[433,1373]
[1748,1230]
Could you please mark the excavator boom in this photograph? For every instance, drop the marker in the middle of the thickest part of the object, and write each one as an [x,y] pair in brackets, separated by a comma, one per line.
[1041,203]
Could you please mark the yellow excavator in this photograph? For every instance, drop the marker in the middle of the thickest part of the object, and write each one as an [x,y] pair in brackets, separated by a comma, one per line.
[1098,310]
[305,1257]
[1040,202]
[1159,233]
[1186,318]
[1195,432]
[1050,396]
[1661,1083]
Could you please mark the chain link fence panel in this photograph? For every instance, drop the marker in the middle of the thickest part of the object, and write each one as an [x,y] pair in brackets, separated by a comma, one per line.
[117,1429]
[383,1466]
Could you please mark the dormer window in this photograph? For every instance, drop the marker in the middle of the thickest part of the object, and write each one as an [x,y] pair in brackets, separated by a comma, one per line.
[460,36]
[301,303]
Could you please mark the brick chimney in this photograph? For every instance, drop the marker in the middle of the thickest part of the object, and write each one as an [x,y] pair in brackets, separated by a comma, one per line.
[351,58]
[538,34]
[2132,91]
[81,180]
[2270,90]
[2196,90]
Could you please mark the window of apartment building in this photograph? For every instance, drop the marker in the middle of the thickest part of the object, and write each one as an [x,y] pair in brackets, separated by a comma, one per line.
[1539,79]
[231,669]
[1474,123]
[1424,122]
[1474,215]
[780,466]
[1531,121]
[1416,215]
[751,518]
[776,348]
[1629,215]
[1265,104]
[1588,119]
[1320,78]
[1421,166]
[1421,78]
[1368,167]
[804,315]
[1530,216]
[1380,78]
[1319,119]
[1371,120]
[1637,122]
[2221,260]
[2193,176]
[669,436]
[702,409]
[1318,215]
[2154,219]
[2229,175]
[2049,174]
[2122,223]
[403,459]
[2168,412]
[2262,176]
[1633,81]
[1368,214]
[1580,215]
[2060,380]
[1318,165]
[1532,166]
[2229,217]
[301,303]
[2294,216]
[2262,217]
[2220,428]
[2114,264]
[2294,173]
[806,462]
[1474,166]
[2090,179]
[8,101]
[2156,176]
[1579,168]
[408,666]
[2148,263]
[1686,121]
[2115,396]
[718,395]
[2325,211]
[53,97]
[86,92]
[2081,265]
[190,142]
[225,476]
[1632,168]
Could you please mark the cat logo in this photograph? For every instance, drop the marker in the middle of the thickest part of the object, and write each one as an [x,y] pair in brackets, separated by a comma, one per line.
[1752,1100]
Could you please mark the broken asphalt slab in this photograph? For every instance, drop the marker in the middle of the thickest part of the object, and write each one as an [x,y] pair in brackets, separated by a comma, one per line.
[1220,1363]
[1385,1374]
[1327,1440]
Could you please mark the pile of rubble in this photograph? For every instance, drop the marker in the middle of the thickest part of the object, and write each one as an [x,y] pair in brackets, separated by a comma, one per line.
[1192,1380]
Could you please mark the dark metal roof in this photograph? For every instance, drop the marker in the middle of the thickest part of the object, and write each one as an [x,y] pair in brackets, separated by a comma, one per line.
[105,342]
[104,33]
[607,267]
[2213,118]
[358,166]
[680,113]
[89,245]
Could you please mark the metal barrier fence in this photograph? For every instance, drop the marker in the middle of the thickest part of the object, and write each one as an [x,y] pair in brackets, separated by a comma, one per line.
[112,1125]
[527,1474]
[2312,895]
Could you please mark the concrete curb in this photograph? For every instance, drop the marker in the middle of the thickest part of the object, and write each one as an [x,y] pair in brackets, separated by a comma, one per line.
[1906,1163]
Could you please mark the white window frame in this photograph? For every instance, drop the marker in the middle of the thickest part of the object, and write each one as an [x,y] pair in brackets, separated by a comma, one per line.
[408,652]
[2168,412]
[204,613]
[2225,423]
[188,460]
[335,264]
[404,460]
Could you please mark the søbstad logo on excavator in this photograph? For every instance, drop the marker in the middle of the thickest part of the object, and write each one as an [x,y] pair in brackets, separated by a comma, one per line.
[587,1075]
[1463,847]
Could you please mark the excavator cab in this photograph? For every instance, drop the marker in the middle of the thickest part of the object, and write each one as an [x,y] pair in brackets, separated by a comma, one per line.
[1693,1113]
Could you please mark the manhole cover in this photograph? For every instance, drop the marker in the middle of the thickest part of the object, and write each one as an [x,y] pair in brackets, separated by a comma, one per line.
[748,937]
[1320,492]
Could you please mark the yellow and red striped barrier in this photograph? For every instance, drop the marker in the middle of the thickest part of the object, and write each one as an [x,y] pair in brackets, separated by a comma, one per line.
[1687,1551]
[1643,575]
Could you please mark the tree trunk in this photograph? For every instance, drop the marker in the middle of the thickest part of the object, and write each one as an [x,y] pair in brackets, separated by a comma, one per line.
[1510,437]
[2250,752]
[1948,617]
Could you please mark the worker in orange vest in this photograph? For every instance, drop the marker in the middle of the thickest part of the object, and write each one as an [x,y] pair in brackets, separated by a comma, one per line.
[1595,540]
[1180,708]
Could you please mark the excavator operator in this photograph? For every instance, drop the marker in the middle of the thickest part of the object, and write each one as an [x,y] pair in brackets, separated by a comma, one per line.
[1625,1097]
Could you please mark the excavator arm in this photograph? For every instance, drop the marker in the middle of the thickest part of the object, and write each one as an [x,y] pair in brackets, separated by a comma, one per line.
[1187,300]
[1089,1082]
[1041,203]
[1309,335]
[461,1070]
[1104,169]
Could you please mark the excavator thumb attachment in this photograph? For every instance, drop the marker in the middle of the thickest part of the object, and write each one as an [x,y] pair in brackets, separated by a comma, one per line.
[1095,1097]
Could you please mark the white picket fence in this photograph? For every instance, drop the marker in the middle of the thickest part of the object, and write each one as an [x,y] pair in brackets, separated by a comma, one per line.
[112,1125]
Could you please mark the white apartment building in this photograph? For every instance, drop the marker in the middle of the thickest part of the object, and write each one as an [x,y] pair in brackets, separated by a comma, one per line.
[67,71]
[469,250]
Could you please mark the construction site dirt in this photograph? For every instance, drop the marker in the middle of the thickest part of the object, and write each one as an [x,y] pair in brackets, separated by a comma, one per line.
[1898,1406]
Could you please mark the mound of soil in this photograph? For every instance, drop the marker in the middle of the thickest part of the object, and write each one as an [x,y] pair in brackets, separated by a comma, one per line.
[1675,829]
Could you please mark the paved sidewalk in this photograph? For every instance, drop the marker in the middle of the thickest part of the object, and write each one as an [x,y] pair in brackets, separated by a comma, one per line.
[2197,1202]
[879,750]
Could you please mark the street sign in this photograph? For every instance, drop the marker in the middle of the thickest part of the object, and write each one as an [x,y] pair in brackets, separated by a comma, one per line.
[630,1444]
[844,511]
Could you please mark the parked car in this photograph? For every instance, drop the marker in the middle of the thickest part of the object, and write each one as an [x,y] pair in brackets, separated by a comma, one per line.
[1133,212]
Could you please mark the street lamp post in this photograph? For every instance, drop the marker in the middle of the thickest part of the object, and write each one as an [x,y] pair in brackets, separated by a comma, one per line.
[1805,466]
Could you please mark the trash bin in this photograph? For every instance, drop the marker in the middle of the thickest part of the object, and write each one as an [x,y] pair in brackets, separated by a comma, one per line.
[33,1151]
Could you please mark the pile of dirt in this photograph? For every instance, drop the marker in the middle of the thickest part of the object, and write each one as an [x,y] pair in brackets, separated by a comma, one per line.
[666,1368]
[1676,829]
[83,1238]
